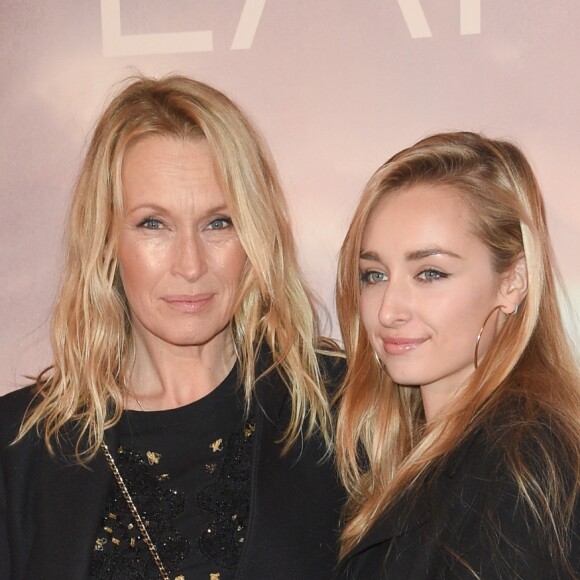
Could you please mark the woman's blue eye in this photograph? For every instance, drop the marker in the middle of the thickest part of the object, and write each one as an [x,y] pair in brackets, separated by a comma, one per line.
[431,275]
[220,224]
[372,277]
[151,224]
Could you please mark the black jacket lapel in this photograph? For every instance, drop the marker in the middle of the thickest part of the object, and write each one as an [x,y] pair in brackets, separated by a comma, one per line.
[72,505]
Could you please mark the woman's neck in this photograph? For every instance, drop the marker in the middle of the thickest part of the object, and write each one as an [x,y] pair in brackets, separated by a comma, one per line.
[165,376]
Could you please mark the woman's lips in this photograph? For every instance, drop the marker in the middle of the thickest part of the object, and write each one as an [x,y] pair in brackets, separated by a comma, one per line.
[397,346]
[188,303]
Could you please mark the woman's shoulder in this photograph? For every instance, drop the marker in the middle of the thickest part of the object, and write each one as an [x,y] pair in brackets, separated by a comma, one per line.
[509,494]
[330,360]
[514,467]
[17,400]
[514,434]
[13,407]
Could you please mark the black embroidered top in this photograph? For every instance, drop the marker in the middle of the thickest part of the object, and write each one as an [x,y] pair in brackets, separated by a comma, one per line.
[187,470]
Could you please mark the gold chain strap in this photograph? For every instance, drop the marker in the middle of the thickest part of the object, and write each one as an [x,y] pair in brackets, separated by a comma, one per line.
[134,512]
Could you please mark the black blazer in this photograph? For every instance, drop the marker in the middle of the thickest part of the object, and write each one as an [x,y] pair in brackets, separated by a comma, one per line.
[448,529]
[50,508]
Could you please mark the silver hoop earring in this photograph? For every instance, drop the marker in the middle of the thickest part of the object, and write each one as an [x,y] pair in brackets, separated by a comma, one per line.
[380,362]
[481,333]
[516,308]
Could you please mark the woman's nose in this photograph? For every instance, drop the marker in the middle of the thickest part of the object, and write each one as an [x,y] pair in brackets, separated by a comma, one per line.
[189,258]
[395,306]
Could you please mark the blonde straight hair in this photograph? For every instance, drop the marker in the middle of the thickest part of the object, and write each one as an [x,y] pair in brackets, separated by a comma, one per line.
[91,329]
[384,447]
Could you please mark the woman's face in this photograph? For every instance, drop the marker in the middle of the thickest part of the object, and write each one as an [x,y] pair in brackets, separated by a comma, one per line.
[427,286]
[180,258]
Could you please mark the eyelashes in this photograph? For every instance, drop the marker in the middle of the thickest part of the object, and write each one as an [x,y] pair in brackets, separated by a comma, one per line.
[431,275]
[428,275]
[220,223]
[370,277]
[215,224]
[150,223]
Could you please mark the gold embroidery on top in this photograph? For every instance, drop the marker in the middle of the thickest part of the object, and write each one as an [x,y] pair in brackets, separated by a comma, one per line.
[217,445]
[249,429]
[153,457]
[100,543]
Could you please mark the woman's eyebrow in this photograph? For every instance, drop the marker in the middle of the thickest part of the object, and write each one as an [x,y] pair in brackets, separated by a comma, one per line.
[369,256]
[427,252]
[414,255]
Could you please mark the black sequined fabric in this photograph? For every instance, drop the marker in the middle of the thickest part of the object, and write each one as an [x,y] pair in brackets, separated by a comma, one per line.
[119,549]
[223,504]
[188,472]
[227,500]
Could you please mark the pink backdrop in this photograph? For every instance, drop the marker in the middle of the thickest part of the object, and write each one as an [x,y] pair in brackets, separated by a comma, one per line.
[336,86]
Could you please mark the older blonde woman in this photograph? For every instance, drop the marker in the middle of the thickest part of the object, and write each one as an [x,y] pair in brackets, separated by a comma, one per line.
[459,426]
[183,430]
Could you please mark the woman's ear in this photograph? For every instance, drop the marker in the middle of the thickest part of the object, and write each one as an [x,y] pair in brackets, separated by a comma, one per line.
[514,286]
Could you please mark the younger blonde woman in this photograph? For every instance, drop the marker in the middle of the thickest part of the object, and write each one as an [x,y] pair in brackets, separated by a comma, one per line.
[459,425]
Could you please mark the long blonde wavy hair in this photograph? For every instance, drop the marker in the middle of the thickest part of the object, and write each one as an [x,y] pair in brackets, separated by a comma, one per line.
[91,329]
[384,447]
